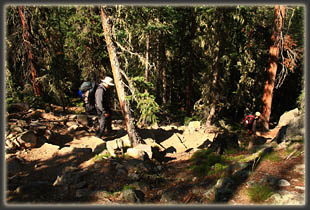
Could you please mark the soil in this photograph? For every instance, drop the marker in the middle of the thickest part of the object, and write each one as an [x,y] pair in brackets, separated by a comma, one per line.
[38,166]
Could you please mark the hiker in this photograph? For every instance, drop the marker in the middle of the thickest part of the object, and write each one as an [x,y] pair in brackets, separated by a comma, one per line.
[103,106]
[250,122]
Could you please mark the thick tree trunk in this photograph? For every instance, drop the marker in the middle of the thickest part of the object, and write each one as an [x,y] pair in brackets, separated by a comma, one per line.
[130,124]
[272,68]
[35,86]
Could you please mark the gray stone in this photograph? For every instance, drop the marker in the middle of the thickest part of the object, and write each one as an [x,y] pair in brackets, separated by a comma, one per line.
[139,151]
[283,183]
[133,196]
[169,196]
[83,119]
[287,117]
[288,198]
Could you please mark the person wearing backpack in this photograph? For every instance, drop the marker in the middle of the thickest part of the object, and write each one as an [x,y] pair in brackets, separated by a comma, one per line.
[250,122]
[87,93]
[103,106]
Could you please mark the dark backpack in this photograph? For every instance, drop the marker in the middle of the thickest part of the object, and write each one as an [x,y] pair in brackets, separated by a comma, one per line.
[88,90]
[248,120]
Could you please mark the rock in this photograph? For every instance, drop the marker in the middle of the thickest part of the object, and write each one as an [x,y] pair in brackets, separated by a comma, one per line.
[139,150]
[83,119]
[194,125]
[283,183]
[101,196]
[125,142]
[224,189]
[177,141]
[49,151]
[169,196]
[288,198]
[16,128]
[300,188]
[287,117]
[73,150]
[72,117]
[133,196]
[96,144]
[300,168]
[28,139]
[73,128]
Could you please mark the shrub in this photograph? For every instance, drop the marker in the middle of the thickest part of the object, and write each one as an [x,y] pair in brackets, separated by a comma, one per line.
[206,162]
[259,193]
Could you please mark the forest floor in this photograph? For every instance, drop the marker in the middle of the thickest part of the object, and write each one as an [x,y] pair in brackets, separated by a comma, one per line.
[103,183]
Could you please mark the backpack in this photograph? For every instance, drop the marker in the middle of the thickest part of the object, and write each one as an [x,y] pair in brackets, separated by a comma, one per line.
[248,120]
[88,90]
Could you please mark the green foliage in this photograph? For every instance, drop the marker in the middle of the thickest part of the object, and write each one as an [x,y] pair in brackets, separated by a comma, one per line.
[273,156]
[227,61]
[100,157]
[259,193]
[145,102]
[128,187]
[187,120]
[206,162]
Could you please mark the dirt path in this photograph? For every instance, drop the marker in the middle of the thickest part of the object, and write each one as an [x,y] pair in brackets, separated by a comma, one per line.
[34,174]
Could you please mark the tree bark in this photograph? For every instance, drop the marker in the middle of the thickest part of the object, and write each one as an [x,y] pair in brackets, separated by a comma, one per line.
[272,65]
[119,84]
[213,94]
[147,53]
[189,70]
[35,86]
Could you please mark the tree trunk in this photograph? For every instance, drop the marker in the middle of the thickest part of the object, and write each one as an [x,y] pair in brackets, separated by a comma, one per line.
[120,88]
[162,65]
[189,70]
[214,84]
[272,65]
[35,86]
[147,53]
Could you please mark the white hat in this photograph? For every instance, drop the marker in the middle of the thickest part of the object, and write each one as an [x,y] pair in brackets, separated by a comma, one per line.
[108,81]
[257,114]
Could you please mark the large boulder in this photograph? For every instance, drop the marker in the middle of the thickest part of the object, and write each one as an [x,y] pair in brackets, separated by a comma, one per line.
[293,130]
[288,116]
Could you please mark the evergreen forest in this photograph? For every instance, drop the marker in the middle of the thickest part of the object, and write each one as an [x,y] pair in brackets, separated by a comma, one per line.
[178,62]
[185,78]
